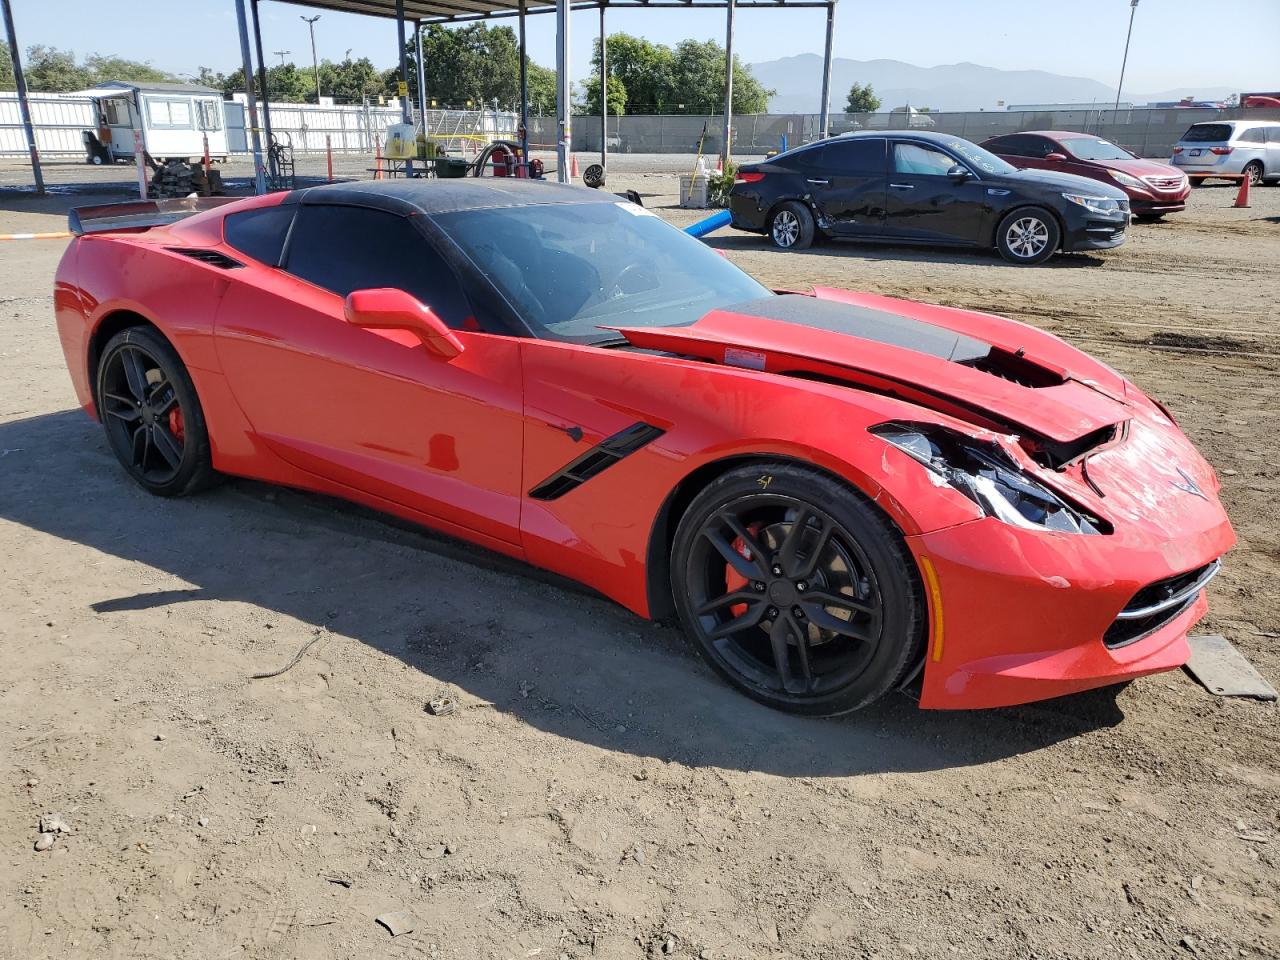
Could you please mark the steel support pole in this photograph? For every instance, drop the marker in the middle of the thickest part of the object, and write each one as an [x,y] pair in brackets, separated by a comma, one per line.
[406,105]
[604,93]
[24,107]
[824,118]
[246,61]
[725,151]
[564,87]
[524,89]
[422,78]
[262,83]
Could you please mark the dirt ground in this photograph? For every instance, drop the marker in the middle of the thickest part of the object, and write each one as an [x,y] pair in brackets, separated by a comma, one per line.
[598,793]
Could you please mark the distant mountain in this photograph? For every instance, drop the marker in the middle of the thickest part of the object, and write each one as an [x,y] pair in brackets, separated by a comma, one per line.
[958,86]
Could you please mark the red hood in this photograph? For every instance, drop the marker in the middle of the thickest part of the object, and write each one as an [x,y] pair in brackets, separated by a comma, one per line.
[981,368]
[1139,168]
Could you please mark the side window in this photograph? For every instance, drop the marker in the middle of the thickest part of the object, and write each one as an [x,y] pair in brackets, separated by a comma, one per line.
[1013,146]
[1273,134]
[857,157]
[1254,135]
[921,160]
[169,113]
[209,113]
[1041,147]
[811,159]
[355,248]
[260,233]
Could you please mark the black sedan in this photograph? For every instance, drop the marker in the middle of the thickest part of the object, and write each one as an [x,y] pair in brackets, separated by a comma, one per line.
[909,186]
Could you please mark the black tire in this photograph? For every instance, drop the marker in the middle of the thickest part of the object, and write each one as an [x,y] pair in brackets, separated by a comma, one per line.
[1148,217]
[855,630]
[1030,229]
[791,226]
[1253,170]
[1197,181]
[151,414]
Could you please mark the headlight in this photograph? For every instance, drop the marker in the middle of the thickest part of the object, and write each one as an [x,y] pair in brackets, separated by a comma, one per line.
[1125,180]
[1094,204]
[984,473]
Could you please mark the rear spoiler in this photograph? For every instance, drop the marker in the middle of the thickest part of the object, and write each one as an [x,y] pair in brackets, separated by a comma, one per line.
[139,214]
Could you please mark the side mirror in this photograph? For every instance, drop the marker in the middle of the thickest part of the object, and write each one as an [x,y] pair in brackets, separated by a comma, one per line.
[959,173]
[386,308]
[1056,157]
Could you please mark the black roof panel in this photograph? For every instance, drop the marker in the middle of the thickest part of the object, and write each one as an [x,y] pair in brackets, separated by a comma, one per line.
[432,196]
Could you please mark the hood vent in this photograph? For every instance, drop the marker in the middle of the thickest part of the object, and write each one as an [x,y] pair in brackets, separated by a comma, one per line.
[211,257]
[1015,368]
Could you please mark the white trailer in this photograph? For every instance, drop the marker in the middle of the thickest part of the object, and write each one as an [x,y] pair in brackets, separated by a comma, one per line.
[170,120]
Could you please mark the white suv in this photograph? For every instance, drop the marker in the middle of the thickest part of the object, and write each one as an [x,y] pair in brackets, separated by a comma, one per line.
[1230,148]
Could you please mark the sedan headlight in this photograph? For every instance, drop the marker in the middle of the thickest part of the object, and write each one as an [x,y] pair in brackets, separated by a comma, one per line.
[1094,204]
[1133,183]
[985,474]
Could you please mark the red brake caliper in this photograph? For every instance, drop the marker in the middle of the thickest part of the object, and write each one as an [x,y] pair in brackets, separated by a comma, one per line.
[175,423]
[733,580]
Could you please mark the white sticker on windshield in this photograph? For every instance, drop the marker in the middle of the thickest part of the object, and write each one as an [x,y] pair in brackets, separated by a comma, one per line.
[635,209]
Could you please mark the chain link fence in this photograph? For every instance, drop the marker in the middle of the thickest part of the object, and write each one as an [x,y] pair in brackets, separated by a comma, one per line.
[1146,132]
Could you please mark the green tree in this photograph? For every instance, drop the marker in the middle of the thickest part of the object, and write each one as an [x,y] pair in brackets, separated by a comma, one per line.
[542,90]
[475,62]
[7,82]
[862,99]
[643,69]
[616,91]
[350,80]
[207,77]
[698,75]
[103,68]
[51,70]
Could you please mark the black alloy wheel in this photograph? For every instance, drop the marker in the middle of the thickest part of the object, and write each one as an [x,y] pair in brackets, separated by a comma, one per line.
[796,590]
[151,415]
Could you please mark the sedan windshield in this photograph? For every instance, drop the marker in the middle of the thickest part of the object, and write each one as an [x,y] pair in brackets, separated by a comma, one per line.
[570,269]
[1088,148]
[984,160]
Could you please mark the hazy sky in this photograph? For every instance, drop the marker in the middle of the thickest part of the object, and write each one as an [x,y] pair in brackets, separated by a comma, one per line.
[1082,38]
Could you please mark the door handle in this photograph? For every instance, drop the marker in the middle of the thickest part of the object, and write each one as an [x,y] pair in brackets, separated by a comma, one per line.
[902,186]
[821,183]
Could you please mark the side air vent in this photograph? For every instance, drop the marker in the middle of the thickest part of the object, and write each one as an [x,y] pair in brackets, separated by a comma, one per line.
[211,257]
[596,460]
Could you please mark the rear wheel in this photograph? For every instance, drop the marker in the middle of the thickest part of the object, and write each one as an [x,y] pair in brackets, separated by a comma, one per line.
[1197,181]
[791,226]
[151,414]
[796,590]
[1253,170]
[1028,236]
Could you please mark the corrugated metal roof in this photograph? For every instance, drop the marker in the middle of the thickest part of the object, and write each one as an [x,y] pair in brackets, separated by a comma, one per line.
[439,11]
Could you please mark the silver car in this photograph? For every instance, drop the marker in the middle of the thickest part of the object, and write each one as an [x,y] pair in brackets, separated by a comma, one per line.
[1229,148]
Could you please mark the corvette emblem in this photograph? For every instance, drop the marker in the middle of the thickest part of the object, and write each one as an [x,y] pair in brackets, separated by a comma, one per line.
[1189,485]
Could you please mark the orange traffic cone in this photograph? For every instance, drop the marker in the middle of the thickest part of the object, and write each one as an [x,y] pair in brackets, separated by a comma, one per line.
[719,164]
[573,166]
[1242,198]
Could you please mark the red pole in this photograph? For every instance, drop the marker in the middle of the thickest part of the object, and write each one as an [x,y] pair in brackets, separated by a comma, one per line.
[328,150]
[206,156]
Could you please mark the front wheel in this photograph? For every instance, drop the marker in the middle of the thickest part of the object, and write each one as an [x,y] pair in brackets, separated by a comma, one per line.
[151,414]
[792,226]
[1028,236]
[796,590]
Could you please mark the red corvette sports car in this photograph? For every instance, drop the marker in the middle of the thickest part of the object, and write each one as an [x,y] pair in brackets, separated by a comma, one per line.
[838,494]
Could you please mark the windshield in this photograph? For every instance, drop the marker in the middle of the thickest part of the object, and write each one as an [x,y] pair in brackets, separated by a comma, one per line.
[571,268]
[1207,133]
[1087,148]
[984,160]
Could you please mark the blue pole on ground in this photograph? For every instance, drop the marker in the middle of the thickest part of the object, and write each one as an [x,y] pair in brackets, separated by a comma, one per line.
[717,220]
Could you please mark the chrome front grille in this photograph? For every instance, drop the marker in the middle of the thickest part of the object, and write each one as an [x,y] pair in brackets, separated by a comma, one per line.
[1164,183]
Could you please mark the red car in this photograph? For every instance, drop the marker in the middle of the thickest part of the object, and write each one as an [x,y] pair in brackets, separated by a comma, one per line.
[1154,188]
[837,493]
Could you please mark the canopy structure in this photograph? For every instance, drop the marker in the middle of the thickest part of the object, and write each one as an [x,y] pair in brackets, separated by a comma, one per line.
[422,12]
